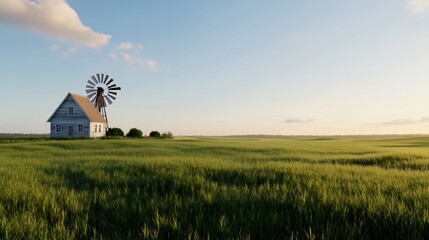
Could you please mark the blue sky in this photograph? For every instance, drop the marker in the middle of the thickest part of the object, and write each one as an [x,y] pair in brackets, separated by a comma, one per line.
[222,67]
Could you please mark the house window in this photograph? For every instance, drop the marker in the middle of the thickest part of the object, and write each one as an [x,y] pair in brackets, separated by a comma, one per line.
[71,111]
[80,128]
[99,128]
[58,127]
[95,127]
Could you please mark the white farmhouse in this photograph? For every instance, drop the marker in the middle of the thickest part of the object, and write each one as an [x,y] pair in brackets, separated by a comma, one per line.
[76,116]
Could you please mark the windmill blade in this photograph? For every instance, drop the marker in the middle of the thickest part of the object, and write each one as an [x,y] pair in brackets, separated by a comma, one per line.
[94,97]
[111,80]
[105,79]
[91,95]
[90,91]
[114,98]
[91,83]
[93,79]
[108,100]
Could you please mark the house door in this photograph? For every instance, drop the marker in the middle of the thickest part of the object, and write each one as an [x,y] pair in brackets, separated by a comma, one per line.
[70,131]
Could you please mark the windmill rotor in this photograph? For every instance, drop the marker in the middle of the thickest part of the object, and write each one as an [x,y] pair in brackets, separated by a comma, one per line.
[101,91]
[101,88]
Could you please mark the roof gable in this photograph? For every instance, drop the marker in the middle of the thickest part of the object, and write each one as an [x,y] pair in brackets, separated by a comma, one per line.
[87,107]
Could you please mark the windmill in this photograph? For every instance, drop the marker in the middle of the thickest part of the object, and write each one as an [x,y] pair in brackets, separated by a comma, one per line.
[101,88]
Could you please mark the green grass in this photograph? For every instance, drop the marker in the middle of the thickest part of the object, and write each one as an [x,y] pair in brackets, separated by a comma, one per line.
[17,137]
[201,188]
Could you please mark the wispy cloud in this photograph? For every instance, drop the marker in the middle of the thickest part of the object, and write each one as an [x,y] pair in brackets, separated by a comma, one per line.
[125,45]
[298,120]
[52,18]
[129,52]
[402,121]
[418,5]
[151,65]
[147,64]
[129,45]
[54,47]
[130,59]
[69,52]
[66,53]
[113,55]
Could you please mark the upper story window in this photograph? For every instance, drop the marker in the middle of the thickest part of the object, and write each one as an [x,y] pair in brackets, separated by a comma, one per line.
[80,128]
[71,111]
[58,127]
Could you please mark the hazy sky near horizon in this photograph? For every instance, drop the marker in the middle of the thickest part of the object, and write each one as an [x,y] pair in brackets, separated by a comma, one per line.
[222,67]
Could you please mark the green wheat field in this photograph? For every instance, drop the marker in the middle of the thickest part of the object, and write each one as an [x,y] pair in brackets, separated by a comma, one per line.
[215,188]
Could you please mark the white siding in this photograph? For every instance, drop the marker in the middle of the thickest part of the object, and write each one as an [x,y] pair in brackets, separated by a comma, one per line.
[98,133]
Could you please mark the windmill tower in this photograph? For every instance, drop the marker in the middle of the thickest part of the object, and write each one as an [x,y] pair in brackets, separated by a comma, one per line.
[101,88]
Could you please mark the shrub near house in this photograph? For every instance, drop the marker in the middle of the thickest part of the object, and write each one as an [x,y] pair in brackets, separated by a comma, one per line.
[155,134]
[115,132]
[135,133]
[167,135]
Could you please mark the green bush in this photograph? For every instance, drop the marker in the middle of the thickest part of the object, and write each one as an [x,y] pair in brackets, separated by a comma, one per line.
[155,134]
[117,132]
[135,133]
[167,135]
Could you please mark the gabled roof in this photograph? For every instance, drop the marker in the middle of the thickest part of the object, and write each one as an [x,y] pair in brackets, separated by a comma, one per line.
[88,108]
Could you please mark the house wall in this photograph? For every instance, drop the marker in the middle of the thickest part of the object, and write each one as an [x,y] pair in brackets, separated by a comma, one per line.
[67,121]
[98,133]
[62,111]
[70,123]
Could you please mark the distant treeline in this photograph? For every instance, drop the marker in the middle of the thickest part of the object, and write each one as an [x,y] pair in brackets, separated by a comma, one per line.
[22,136]
[323,137]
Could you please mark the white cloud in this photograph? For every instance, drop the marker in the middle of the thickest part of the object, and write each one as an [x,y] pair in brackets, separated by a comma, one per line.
[129,45]
[402,121]
[147,64]
[298,120]
[53,18]
[129,58]
[69,52]
[418,5]
[129,52]
[406,121]
[112,55]
[151,65]
[125,45]
[54,47]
